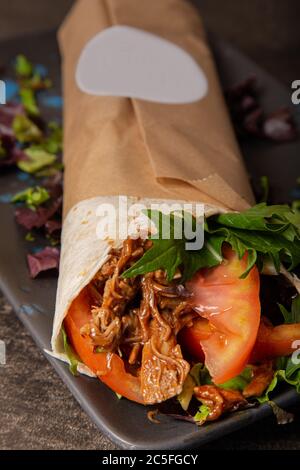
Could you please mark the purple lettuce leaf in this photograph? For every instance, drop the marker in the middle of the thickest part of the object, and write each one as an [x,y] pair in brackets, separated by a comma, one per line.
[44,260]
[36,219]
[8,112]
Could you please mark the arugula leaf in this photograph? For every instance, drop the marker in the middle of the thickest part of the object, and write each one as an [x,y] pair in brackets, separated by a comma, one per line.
[163,254]
[294,315]
[170,253]
[73,358]
[210,255]
[261,231]
[239,245]
[278,247]
[259,217]
[33,197]
[37,159]
[25,130]
[294,217]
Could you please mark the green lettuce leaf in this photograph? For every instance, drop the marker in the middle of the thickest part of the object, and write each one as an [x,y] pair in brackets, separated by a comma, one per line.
[288,372]
[38,158]
[25,130]
[73,358]
[54,142]
[240,381]
[33,197]
[202,414]
[23,66]
[294,315]
[29,102]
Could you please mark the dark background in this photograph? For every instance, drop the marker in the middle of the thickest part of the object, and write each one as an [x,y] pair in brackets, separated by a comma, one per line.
[267,30]
[36,409]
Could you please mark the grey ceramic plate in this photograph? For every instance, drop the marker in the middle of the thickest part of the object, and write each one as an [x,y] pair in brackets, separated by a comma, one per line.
[125,422]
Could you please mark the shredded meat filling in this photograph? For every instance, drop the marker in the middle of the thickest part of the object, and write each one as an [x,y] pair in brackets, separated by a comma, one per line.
[262,375]
[163,369]
[140,318]
[219,400]
[114,295]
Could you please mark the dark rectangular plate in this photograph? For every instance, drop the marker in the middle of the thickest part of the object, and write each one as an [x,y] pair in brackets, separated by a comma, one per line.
[123,421]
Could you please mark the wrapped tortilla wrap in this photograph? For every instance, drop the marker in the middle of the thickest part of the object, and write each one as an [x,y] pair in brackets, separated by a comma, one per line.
[147,151]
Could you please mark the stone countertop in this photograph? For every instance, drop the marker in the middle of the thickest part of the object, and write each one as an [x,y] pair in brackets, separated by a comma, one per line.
[36,409]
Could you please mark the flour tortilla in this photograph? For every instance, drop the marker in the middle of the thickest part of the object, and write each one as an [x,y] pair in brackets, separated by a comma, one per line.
[83,254]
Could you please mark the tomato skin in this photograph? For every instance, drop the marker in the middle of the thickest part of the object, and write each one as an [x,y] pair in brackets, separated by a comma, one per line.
[271,341]
[275,341]
[111,367]
[232,307]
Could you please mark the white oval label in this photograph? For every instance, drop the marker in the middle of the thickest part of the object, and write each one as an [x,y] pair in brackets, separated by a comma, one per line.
[129,62]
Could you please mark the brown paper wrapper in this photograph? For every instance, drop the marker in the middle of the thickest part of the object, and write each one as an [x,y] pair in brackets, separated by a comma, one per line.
[148,151]
[133,147]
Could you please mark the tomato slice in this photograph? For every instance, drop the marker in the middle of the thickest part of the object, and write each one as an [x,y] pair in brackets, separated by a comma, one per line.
[275,341]
[109,367]
[232,308]
[271,341]
[191,338]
